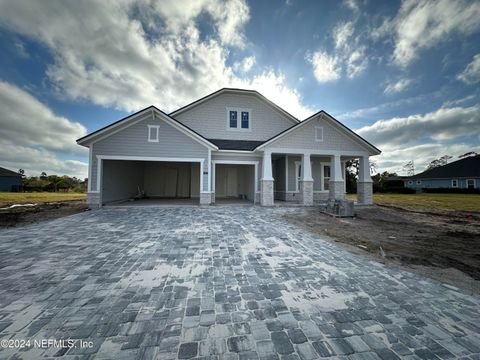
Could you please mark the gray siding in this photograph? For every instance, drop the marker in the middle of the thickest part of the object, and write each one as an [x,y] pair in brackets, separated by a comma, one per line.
[304,138]
[441,183]
[9,183]
[133,141]
[210,118]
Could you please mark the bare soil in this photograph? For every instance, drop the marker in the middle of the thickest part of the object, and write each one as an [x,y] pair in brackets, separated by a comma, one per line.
[24,215]
[441,244]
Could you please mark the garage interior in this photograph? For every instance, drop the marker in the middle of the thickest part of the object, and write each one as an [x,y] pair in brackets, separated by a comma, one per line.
[234,182]
[123,179]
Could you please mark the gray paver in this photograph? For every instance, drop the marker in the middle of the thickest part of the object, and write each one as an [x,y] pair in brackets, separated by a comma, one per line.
[218,283]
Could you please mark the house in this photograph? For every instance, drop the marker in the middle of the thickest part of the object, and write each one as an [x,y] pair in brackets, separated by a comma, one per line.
[10,180]
[232,143]
[460,174]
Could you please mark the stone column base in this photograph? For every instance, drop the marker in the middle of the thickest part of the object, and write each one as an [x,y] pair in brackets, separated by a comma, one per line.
[93,200]
[365,193]
[257,198]
[213,198]
[266,192]
[205,198]
[337,190]
[306,192]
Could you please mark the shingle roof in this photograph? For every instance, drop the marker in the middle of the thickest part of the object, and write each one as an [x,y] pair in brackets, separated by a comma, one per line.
[6,172]
[246,145]
[464,168]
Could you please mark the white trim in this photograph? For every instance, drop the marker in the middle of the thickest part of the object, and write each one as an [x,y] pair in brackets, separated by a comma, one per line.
[90,163]
[286,172]
[157,128]
[297,168]
[319,138]
[239,119]
[236,162]
[209,169]
[240,152]
[293,151]
[456,183]
[262,98]
[474,183]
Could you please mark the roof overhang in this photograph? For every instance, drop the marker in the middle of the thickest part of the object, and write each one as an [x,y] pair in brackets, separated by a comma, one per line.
[334,122]
[139,116]
[255,93]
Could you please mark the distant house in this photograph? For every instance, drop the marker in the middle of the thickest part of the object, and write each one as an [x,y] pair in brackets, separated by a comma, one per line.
[461,174]
[10,180]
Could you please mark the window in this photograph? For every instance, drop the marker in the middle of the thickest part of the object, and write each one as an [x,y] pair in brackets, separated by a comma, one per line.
[454,183]
[471,184]
[239,119]
[245,120]
[318,133]
[233,119]
[153,133]
[410,182]
[419,182]
[326,177]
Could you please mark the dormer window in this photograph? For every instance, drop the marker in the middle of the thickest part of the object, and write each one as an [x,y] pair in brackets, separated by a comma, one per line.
[153,132]
[239,119]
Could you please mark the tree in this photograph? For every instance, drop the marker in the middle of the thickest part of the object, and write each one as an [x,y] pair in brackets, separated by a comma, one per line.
[409,168]
[21,172]
[43,175]
[439,162]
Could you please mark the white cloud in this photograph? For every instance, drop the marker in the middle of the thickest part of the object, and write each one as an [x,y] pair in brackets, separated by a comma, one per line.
[351,4]
[423,24]
[440,125]
[398,86]
[325,67]
[32,136]
[357,62]
[471,74]
[245,65]
[342,34]
[128,55]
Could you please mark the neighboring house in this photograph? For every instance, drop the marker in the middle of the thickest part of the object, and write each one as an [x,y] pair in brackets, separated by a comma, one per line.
[460,174]
[10,180]
[232,143]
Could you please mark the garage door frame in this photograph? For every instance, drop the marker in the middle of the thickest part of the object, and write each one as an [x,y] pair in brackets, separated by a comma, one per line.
[100,159]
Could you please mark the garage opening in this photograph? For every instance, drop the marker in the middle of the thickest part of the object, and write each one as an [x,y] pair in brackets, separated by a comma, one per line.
[234,183]
[150,181]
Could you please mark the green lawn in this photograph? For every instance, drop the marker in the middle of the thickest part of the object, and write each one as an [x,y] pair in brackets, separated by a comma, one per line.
[465,202]
[8,198]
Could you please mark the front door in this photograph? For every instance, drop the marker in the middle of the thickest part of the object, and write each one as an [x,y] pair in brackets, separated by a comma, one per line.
[231,182]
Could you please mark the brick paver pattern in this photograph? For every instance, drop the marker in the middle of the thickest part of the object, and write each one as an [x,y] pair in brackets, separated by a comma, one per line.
[217,283]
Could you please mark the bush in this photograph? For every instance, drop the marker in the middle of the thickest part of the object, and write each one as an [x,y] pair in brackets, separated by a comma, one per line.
[451,191]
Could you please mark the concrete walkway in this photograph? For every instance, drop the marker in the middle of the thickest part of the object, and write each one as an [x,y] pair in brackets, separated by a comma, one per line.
[217,283]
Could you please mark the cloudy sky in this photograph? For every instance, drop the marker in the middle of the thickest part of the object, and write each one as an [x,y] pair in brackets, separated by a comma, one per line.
[404,74]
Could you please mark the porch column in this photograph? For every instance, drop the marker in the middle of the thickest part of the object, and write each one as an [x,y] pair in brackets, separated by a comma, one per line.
[306,182]
[337,187]
[266,190]
[364,183]
[205,195]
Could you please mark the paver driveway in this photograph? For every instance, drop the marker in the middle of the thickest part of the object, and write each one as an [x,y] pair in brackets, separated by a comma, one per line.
[217,282]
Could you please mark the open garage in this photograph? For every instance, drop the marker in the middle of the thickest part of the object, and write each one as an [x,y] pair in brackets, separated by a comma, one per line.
[234,181]
[123,180]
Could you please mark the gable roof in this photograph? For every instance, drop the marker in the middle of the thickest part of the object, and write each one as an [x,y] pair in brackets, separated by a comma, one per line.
[464,168]
[235,91]
[242,145]
[329,118]
[6,172]
[128,119]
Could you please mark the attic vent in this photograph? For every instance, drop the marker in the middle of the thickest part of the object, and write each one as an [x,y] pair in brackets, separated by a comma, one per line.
[153,131]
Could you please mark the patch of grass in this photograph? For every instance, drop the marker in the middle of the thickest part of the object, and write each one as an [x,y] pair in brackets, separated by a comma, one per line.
[8,198]
[462,202]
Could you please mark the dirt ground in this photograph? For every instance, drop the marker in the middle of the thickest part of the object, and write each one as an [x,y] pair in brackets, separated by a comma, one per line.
[24,215]
[441,244]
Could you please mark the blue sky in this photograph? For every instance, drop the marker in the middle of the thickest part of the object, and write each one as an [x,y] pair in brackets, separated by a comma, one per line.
[404,74]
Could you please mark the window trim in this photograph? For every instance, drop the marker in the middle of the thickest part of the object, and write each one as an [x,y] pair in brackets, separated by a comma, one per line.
[149,137]
[456,183]
[239,119]
[474,183]
[317,128]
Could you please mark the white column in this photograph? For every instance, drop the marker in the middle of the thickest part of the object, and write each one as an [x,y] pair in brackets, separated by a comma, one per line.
[306,168]
[335,168]
[364,171]
[267,166]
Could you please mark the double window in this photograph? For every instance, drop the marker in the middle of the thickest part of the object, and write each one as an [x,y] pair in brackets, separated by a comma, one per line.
[239,119]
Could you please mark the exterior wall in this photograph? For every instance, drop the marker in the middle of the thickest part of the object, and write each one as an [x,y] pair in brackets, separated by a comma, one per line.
[9,183]
[155,178]
[133,141]
[304,138]
[210,118]
[441,183]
